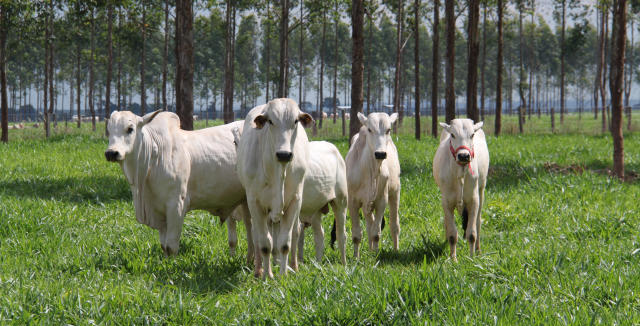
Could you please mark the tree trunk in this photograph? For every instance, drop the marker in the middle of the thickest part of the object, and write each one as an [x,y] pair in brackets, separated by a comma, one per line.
[435,69]
[472,68]
[165,55]
[416,40]
[91,75]
[118,86]
[562,67]
[78,83]
[629,80]
[335,70]
[184,63]
[369,67]
[619,34]
[484,59]
[268,51]
[227,110]
[450,94]
[143,89]
[398,75]
[603,55]
[284,50]
[498,121]
[321,87]
[51,65]
[109,68]
[3,75]
[301,58]
[357,67]
[522,77]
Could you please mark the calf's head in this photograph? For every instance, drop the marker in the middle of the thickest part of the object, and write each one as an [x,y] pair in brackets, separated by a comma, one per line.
[378,132]
[282,120]
[124,127]
[461,135]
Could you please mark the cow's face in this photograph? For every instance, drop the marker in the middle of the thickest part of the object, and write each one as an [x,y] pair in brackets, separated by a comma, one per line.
[123,128]
[378,132]
[281,118]
[461,133]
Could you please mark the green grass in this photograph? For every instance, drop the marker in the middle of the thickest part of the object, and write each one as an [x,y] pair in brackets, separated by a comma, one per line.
[558,247]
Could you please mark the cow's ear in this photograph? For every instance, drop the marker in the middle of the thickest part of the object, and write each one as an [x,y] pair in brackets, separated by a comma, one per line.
[362,118]
[446,127]
[236,136]
[260,121]
[393,117]
[148,118]
[477,126]
[305,119]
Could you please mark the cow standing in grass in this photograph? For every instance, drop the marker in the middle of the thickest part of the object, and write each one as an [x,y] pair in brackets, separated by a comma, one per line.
[272,159]
[172,171]
[373,178]
[460,169]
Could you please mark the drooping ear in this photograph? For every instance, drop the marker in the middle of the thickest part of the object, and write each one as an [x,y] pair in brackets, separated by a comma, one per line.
[393,117]
[260,121]
[148,118]
[236,136]
[362,118]
[445,126]
[305,119]
[477,126]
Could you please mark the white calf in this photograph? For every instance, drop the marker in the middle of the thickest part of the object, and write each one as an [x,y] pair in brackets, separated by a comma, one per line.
[373,177]
[460,169]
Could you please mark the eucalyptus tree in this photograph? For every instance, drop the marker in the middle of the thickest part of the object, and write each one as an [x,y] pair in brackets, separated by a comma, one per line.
[357,64]
[618,47]
[184,62]
[472,57]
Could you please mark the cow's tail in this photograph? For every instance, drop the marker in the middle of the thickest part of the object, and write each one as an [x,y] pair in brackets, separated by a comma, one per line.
[465,220]
[333,234]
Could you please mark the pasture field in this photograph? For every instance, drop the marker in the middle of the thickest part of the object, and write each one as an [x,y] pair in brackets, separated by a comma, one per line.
[560,244]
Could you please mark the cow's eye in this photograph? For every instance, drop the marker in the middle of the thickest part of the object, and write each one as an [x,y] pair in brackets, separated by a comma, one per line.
[473,134]
[270,122]
[130,130]
[388,131]
[369,129]
[453,136]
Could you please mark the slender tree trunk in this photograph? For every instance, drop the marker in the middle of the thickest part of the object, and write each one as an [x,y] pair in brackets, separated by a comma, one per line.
[618,34]
[107,111]
[78,83]
[91,73]
[522,77]
[118,86]
[472,68]
[301,57]
[268,50]
[498,121]
[357,67]
[229,71]
[450,94]
[562,67]
[335,69]
[184,63]
[435,69]
[3,75]
[416,40]
[51,64]
[629,80]
[484,60]
[284,50]
[369,67]
[165,55]
[143,89]
[397,99]
[603,80]
[321,87]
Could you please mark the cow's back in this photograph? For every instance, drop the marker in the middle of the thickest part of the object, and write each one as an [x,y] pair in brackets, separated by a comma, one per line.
[324,177]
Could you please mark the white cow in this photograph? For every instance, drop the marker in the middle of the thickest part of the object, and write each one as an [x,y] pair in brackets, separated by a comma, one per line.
[373,176]
[325,183]
[172,171]
[460,169]
[272,160]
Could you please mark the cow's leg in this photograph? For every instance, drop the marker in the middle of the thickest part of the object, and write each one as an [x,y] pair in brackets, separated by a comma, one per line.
[394,220]
[340,213]
[175,219]
[471,204]
[376,225]
[162,235]
[232,235]
[450,226]
[262,240]
[295,234]
[370,221]
[479,218]
[318,235]
[246,218]
[284,234]
[356,229]
[303,227]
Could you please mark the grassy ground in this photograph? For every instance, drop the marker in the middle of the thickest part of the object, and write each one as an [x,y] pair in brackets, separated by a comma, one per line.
[560,240]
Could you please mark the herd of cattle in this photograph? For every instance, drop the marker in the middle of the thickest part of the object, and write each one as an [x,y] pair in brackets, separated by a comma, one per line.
[266,172]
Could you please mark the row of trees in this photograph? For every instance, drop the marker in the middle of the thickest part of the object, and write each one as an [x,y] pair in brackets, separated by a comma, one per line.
[112,52]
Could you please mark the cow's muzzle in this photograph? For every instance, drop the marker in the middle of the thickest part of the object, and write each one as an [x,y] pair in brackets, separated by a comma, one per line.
[111,155]
[284,156]
[380,155]
[464,157]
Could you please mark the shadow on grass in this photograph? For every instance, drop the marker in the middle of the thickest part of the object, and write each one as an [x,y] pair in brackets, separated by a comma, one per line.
[428,250]
[76,190]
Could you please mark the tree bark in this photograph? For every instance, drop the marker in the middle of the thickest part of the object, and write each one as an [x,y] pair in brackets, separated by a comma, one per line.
[369,67]
[284,50]
[165,55]
[109,68]
[472,67]
[227,109]
[91,73]
[357,67]
[335,69]
[301,57]
[629,80]
[435,69]
[321,88]
[3,74]
[143,90]
[603,55]
[522,77]
[184,63]
[78,83]
[416,56]
[619,34]
[268,52]
[450,94]
[498,121]
[562,67]
[398,75]
[119,85]
[484,60]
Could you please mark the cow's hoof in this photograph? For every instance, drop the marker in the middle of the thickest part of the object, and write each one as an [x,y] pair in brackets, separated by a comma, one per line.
[258,273]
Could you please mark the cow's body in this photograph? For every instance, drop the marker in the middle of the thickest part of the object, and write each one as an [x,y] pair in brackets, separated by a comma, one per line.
[325,183]
[272,159]
[462,181]
[373,180]
[172,171]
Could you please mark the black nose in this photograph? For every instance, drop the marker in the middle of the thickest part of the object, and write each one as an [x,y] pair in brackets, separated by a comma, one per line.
[111,155]
[380,155]
[464,157]
[284,156]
